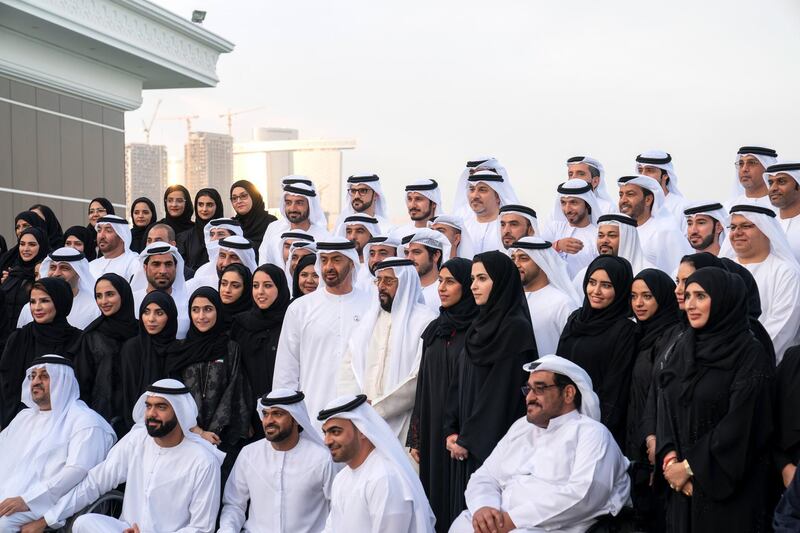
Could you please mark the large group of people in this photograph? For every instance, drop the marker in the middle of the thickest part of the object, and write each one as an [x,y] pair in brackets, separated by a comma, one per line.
[631,361]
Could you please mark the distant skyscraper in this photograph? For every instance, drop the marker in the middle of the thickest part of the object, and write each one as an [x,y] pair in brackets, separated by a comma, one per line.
[209,162]
[278,152]
[145,172]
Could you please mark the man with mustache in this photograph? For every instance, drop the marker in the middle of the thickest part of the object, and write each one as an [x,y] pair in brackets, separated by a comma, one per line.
[377,490]
[383,354]
[573,229]
[49,447]
[289,474]
[705,226]
[363,195]
[427,248]
[302,213]
[171,475]
[114,241]
[423,203]
[70,265]
[750,187]
[317,326]
[516,222]
[486,191]
[557,468]
[783,180]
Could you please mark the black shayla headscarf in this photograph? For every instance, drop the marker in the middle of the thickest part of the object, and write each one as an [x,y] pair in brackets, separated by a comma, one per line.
[257,319]
[219,212]
[139,233]
[79,232]
[52,225]
[460,315]
[35,221]
[198,346]
[495,332]
[58,330]
[591,321]
[702,260]
[720,342]
[122,325]
[183,222]
[245,301]
[667,313]
[26,270]
[306,260]
[254,222]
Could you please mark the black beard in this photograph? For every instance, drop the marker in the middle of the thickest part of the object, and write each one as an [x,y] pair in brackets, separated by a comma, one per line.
[163,430]
[280,436]
[708,241]
[388,305]
[364,206]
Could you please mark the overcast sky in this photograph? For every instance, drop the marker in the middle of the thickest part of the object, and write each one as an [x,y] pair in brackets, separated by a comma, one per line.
[424,86]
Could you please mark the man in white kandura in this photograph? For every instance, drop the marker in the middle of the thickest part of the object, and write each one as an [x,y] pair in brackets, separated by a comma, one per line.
[317,326]
[548,289]
[657,164]
[302,212]
[286,477]
[783,180]
[706,226]
[760,245]
[49,447]
[114,241]
[591,171]
[162,269]
[452,227]
[383,356]
[557,469]
[70,265]
[378,491]
[749,187]
[573,228]
[427,248]
[171,475]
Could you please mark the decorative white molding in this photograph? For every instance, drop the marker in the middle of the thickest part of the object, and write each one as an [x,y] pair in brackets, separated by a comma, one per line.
[254,147]
[141,29]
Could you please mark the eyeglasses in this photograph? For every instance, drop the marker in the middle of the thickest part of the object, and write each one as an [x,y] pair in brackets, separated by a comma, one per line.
[537,389]
[388,282]
[748,163]
[98,211]
[241,198]
[359,192]
[178,201]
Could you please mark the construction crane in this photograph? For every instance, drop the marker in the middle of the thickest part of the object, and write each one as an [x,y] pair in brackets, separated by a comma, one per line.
[231,114]
[187,118]
[148,127]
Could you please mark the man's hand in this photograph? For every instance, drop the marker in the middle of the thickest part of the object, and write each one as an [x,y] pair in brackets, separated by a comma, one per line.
[788,474]
[570,245]
[414,454]
[211,437]
[133,529]
[676,475]
[489,520]
[13,505]
[37,526]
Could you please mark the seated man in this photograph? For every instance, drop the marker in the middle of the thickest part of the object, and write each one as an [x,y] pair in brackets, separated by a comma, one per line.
[558,468]
[50,447]
[378,491]
[286,478]
[172,475]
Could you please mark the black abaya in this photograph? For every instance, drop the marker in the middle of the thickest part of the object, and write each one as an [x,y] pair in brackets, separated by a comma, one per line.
[192,242]
[715,411]
[139,233]
[254,222]
[442,342]
[485,399]
[603,342]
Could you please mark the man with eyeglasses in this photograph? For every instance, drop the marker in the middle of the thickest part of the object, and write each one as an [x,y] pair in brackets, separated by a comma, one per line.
[557,468]
[761,247]
[750,187]
[384,351]
[363,195]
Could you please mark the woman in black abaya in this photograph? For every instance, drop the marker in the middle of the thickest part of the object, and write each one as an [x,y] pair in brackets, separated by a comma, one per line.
[52,226]
[485,399]
[178,209]
[143,357]
[98,208]
[97,355]
[601,338]
[250,211]
[143,217]
[49,333]
[715,413]
[257,332]
[192,242]
[442,342]
[19,273]
[236,292]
